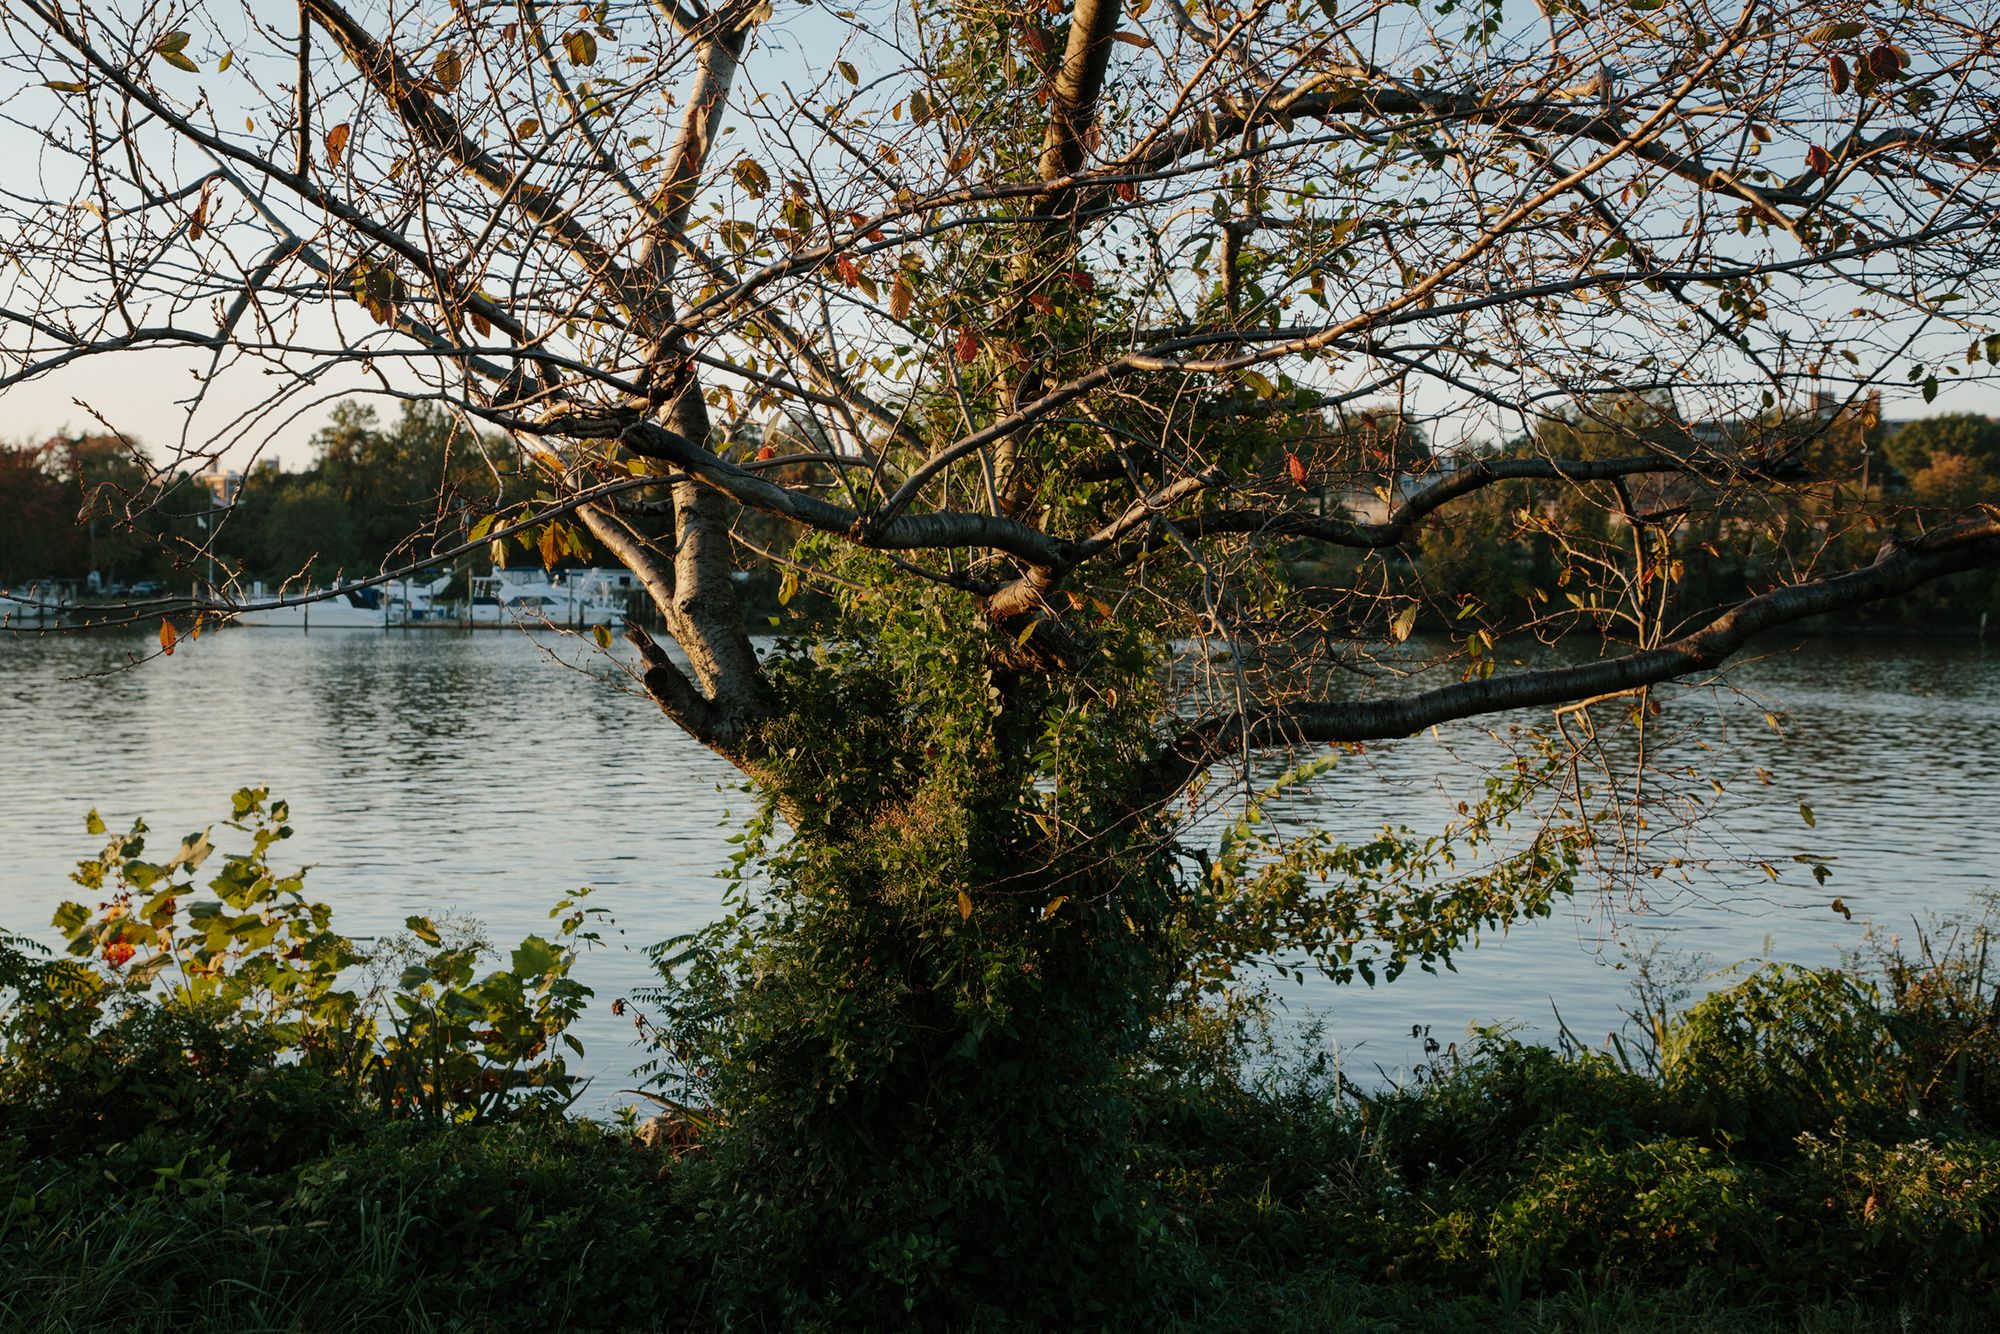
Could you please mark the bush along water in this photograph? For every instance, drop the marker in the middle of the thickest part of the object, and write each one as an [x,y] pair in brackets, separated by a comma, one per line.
[218,1112]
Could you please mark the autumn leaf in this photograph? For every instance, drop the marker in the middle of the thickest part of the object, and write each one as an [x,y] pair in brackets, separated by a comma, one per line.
[528,128]
[551,547]
[765,453]
[66,85]
[1837,75]
[1882,62]
[336,142]
[752,177]
[1405,622]
[1296,469]
[964,906]
[900,298]
[448,70]
[172,48]
[1818,161]
[581,46]
[967,346]
[167,637]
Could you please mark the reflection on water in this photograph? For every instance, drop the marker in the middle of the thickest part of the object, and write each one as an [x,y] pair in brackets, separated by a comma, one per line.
[436,772]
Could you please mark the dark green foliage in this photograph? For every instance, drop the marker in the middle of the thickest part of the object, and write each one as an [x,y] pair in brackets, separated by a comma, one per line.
[919,1050]
[989,1133]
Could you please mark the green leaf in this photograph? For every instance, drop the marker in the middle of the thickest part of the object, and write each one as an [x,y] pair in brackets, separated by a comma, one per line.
[93,823]
[847,71]
[1806,814]
[535,957]
[423,930]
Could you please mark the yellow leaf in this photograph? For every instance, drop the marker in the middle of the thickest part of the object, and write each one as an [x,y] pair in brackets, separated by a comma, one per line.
[228,59]
[167,637]
[581,46]
[602,634]
[528,127]
[752,177]
[964,906]
[448,70]
[1054,903]
[336,142]
[65,86]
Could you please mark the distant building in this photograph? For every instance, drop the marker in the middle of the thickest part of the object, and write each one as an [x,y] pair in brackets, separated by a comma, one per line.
[223,486]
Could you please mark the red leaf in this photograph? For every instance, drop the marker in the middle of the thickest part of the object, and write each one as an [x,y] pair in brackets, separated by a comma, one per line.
[1084,282]
[1818,160]
[766,452]
[1296,469]
[968,345]
[1882,62]
[849,271]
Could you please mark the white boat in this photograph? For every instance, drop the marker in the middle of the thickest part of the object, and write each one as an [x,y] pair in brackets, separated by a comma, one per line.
[32,607]
[576,599]
[362,609]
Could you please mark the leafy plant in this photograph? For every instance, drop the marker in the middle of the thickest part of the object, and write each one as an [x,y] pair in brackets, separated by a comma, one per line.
[438,1040]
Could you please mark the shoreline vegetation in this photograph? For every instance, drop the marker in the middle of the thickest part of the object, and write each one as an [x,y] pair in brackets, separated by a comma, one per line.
[93,509]
[218,1113]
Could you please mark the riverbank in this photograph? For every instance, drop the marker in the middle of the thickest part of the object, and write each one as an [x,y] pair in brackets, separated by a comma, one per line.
[1807,1150]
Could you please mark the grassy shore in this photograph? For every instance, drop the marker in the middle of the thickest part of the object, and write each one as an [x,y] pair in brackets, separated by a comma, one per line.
[1807,1150]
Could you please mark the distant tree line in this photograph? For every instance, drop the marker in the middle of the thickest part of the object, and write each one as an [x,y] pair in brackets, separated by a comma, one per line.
[374,496]
[1531,552]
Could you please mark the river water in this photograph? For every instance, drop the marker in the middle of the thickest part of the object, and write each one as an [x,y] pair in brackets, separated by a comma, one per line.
[490,774]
